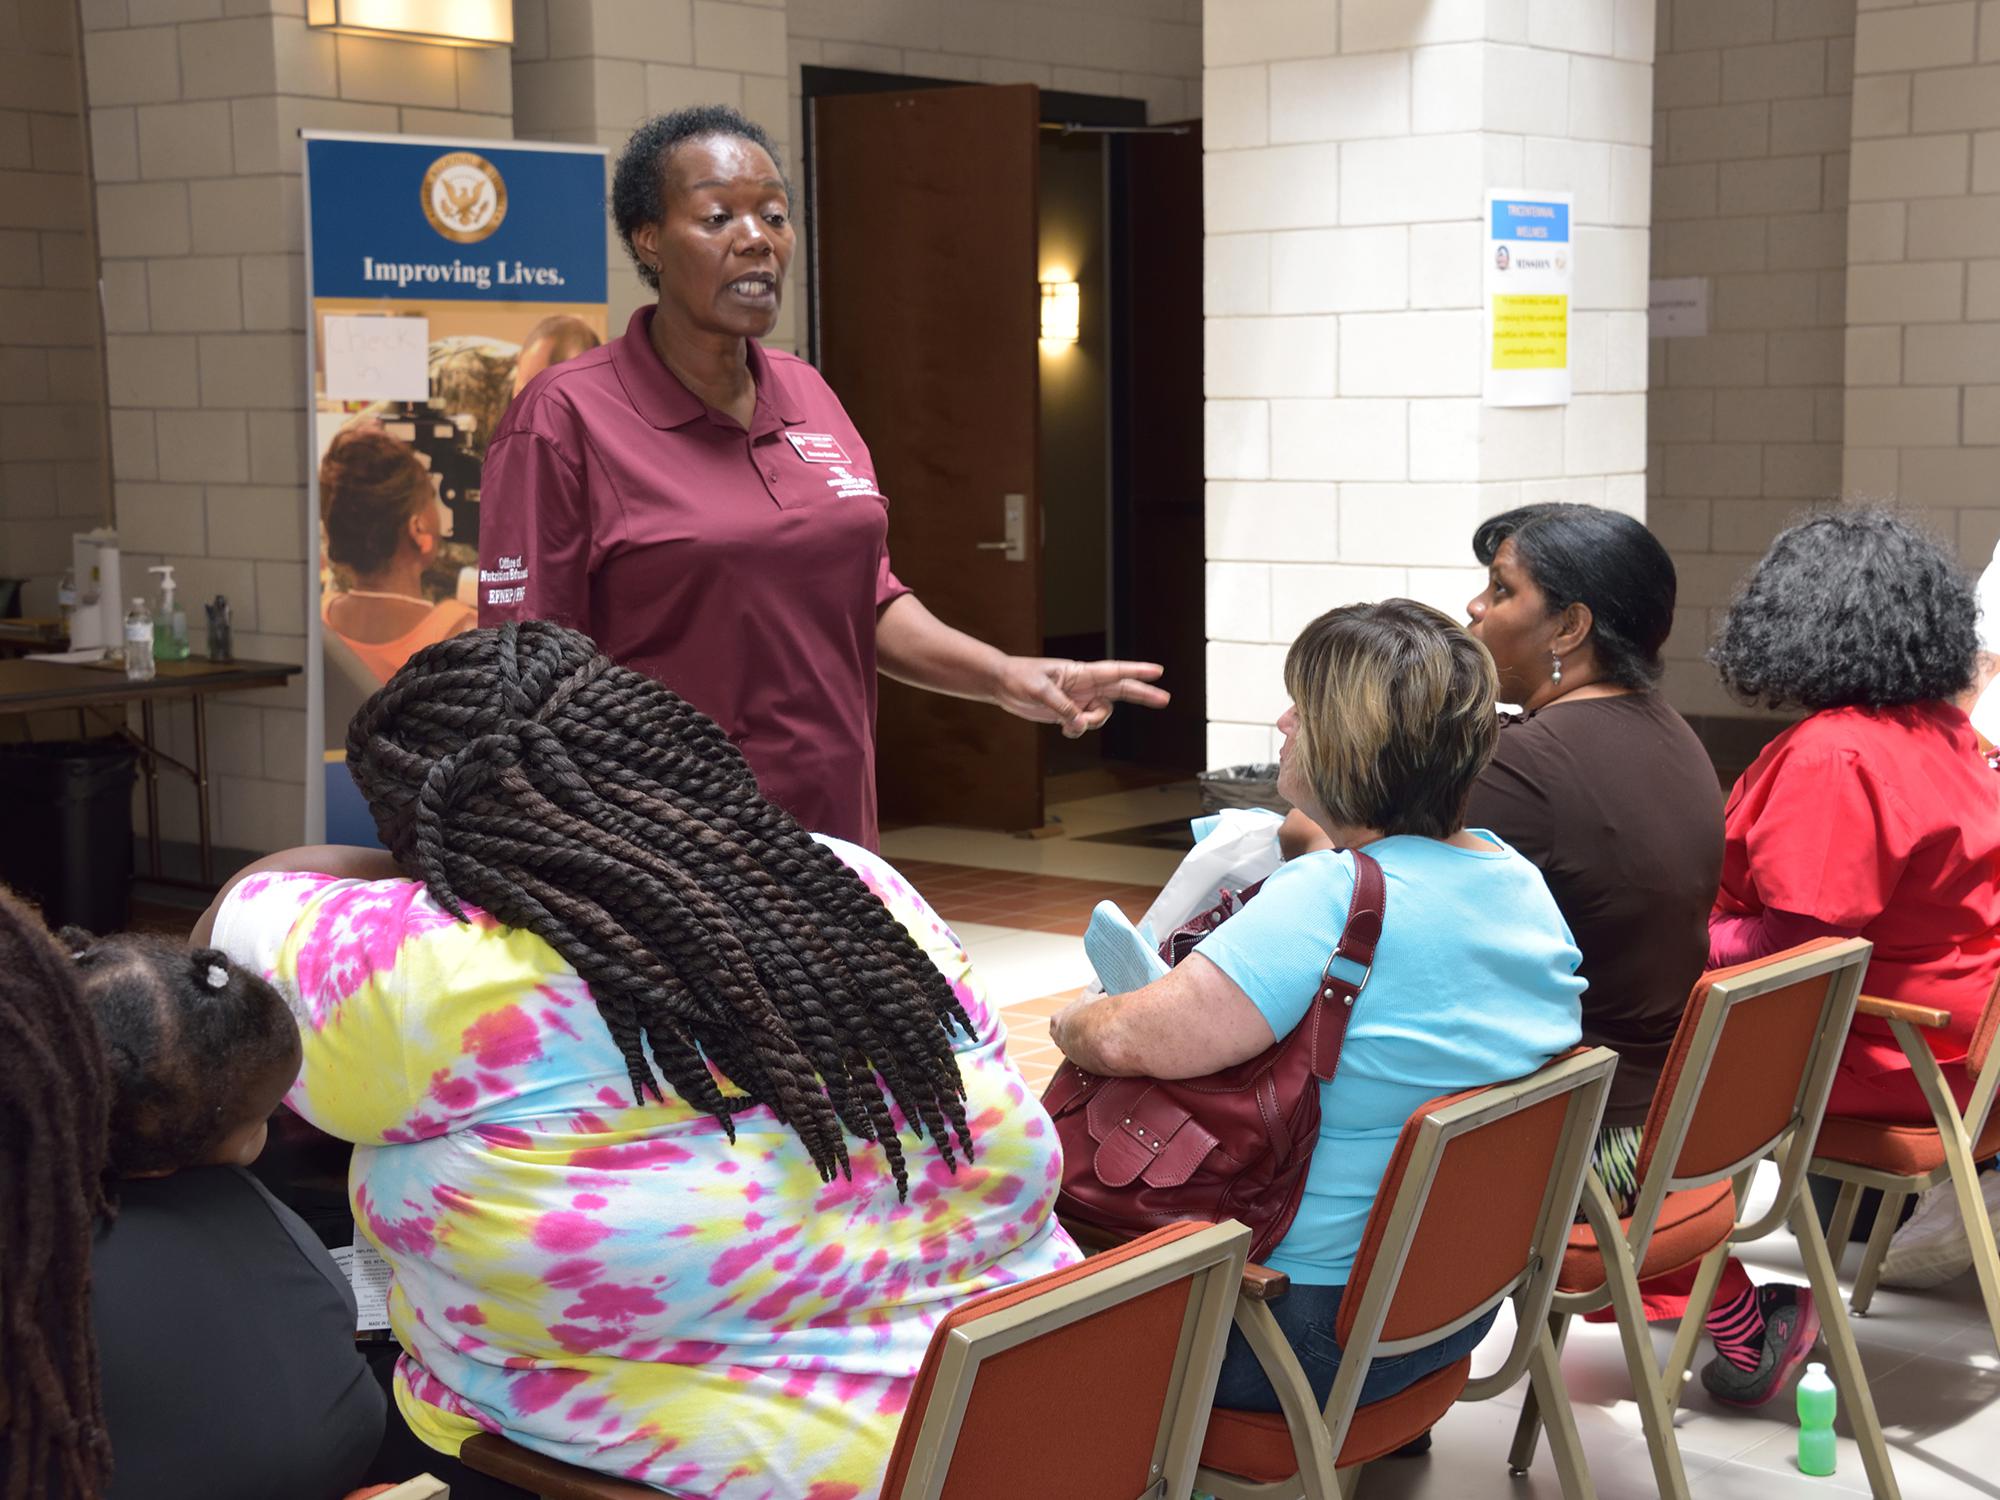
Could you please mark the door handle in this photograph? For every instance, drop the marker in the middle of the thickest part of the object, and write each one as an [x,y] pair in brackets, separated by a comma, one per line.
[1016,544]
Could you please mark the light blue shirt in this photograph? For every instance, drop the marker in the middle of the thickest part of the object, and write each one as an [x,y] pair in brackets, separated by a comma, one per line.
[1474,983]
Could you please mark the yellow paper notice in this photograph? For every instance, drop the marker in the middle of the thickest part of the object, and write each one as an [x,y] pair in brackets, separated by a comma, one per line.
[1530,332]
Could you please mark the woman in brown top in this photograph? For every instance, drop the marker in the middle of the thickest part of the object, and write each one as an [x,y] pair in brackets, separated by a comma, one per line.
[1606,788]
[1598,781]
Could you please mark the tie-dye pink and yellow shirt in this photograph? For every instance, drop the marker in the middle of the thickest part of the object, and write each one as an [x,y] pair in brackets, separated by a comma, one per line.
[617,1285]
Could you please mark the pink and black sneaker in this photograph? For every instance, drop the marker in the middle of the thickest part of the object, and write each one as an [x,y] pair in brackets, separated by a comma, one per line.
[1791,1328]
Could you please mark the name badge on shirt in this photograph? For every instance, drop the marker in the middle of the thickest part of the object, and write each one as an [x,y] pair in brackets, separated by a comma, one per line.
[817,447]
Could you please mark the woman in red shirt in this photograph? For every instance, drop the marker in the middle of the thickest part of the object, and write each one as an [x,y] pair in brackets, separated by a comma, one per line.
[1875,816]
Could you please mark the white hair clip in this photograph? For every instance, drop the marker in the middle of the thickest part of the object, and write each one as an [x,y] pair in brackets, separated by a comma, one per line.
[218,976]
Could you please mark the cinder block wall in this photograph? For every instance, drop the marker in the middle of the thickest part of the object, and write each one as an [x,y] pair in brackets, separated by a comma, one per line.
[588,71]
[195,108]
[52,470]
[1923,279]
[1750,173]
[1139,49]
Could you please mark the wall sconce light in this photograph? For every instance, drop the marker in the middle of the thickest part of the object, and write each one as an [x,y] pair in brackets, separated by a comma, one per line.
[1062,312]
[456,23]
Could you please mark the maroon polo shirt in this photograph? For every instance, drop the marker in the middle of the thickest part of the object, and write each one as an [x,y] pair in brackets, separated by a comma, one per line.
[744,570]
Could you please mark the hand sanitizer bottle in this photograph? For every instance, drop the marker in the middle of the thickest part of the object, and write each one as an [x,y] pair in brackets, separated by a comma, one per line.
[1817,1400]
[139,642]
[170,625]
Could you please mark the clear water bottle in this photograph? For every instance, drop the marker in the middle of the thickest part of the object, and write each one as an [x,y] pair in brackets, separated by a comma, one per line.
[139,642]
[66,599]
[1817,1400]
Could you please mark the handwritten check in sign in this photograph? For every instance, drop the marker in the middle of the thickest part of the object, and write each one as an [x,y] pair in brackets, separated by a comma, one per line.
[377,358]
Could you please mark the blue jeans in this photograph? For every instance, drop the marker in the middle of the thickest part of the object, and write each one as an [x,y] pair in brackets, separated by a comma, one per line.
[1306,1315]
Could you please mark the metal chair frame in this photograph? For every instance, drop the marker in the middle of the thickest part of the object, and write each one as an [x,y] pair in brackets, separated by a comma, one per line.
[1624,1248]
[1212,1260]
[1958,1131]
[1318,1433]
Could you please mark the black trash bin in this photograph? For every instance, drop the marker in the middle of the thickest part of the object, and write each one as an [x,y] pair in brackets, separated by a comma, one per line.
[1242,786]
[66,842]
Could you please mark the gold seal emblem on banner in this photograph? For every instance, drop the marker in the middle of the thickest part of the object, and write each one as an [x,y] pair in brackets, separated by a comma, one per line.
[465,197]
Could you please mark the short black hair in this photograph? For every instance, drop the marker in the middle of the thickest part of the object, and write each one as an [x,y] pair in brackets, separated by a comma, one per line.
[1850,608]
[189,1036]
[638,187]
[1605,561]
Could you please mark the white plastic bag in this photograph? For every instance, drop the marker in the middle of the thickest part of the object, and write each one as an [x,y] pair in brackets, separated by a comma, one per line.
[1234,849]
[1237,848]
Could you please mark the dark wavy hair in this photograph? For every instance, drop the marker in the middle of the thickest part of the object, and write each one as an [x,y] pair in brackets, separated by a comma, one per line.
[639,185]
[55,1105]
[1850,608]
[1605,561]
[189,1034]
[518,769]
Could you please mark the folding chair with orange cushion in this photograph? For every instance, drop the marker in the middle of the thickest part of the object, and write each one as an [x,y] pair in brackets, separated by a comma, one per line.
[1473,1210]
[1906,1159]
[1748,1076]
[1087,1383]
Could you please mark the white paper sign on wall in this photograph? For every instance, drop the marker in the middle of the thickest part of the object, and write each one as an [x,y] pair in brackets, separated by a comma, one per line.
[377,359]
[1530,267]
[1678,308]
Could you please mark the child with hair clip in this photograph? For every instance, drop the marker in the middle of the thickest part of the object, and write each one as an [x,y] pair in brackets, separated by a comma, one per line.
[224,1330]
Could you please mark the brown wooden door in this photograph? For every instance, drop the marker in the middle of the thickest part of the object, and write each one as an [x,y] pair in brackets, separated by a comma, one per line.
[928,310]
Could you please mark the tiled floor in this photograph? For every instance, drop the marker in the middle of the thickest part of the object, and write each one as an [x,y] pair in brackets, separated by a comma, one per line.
[1019,904]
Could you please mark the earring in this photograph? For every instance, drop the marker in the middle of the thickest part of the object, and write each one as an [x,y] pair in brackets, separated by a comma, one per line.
[1556,675]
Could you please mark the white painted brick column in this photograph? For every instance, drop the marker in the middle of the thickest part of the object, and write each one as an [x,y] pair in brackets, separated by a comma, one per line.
[1923,275]
[195,108]
[1349,144]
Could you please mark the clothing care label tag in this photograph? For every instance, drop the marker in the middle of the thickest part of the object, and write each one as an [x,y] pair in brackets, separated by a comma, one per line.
[370,1276]
[817,447]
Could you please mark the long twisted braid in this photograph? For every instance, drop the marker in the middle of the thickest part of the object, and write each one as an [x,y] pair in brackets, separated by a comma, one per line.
[519,770]
[55,1109]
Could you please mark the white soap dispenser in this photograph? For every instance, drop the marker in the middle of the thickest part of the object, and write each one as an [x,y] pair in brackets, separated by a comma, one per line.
[170,626]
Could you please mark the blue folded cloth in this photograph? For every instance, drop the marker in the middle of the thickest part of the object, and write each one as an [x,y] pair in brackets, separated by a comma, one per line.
[1124,957]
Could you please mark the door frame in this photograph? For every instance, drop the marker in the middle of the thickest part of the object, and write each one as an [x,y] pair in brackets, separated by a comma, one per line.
[1058,108]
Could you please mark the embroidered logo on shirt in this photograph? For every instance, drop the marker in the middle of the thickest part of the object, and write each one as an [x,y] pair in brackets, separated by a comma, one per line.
[846,483]
[818,447]
[511,570]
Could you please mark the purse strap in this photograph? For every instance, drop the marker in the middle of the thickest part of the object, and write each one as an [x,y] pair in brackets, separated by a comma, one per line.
[1334,1001]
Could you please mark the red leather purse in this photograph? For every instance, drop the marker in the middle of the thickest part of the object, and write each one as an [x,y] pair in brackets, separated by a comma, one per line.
[1142,1152]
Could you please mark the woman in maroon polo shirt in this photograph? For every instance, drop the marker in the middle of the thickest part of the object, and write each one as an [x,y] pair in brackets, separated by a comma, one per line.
[704,508]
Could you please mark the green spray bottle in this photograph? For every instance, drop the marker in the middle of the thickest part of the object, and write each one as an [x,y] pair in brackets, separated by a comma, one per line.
[1817,1400]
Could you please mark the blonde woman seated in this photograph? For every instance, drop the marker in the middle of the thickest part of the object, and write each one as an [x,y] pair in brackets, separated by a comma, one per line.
[384,524]
[1474,981]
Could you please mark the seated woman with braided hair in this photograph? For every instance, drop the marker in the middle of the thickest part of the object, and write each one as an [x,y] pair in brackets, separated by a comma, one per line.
[637,1068]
